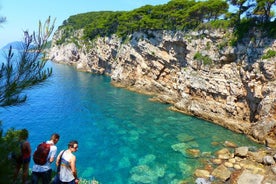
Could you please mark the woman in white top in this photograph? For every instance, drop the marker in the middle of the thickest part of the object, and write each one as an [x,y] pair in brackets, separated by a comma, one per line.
[68,171]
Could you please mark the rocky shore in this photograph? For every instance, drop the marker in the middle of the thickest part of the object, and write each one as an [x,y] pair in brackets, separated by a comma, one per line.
[236,165]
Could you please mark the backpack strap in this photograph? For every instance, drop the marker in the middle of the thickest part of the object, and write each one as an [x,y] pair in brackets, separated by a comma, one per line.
[59,163]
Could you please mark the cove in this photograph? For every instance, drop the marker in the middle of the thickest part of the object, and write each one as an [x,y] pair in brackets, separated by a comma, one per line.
[123,137]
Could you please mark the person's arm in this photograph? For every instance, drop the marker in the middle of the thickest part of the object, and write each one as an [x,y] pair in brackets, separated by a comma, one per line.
[73,167]
[51,159]
[57,161]
[53,154]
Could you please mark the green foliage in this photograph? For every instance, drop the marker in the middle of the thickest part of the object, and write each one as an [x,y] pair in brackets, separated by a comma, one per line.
[269,54]
[208,45]
[9,143]
[206,60]
[67,31]
[270,28]
[183,15]
[175,15]
[48,44]
[244,27]
[263,9]
[215,24]
[27,68]
[101,24]
[233,41]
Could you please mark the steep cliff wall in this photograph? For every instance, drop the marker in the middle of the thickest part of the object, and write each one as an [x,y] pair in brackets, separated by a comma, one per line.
[198,73]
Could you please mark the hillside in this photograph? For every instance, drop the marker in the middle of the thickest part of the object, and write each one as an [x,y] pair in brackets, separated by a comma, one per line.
[204,61]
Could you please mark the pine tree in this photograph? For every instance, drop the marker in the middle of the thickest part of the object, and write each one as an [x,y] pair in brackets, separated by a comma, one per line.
[26,68]
[22,70]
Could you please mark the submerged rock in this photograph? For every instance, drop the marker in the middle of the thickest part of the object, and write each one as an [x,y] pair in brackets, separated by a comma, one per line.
[145,174]
[242,166]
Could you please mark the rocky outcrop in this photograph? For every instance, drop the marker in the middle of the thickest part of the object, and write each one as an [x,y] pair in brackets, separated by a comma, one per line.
[198,73]
[239,165]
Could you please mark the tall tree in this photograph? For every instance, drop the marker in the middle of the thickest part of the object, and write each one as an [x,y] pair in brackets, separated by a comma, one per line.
[243,6]
[263,9]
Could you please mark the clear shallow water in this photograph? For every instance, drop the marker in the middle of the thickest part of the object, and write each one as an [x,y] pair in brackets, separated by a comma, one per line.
[123,137]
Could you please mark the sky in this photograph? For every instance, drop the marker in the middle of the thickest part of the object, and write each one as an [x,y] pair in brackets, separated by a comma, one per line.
[24,15]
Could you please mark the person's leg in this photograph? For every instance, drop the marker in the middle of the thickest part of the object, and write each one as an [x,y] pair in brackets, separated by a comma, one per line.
[56,180]
[17,168]
[46,177]
[25,172]
[35,177]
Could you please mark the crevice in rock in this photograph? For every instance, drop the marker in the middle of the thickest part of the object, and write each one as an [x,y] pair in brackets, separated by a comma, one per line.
[253,102]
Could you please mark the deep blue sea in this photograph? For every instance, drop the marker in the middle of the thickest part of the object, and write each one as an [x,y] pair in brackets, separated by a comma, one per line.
[123,137]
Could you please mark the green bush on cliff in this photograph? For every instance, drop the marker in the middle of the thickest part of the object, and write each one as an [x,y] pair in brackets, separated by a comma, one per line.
[206,60]
[67,31]
[215,24]
[269,54]
[8,144]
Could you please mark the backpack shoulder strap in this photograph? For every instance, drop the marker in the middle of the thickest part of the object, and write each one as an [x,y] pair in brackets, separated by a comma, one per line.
[58,168]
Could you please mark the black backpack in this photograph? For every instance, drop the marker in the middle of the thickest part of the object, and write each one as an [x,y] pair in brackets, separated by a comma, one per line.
[41,153]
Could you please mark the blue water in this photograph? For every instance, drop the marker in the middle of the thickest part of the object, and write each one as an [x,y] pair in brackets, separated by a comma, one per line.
[123,137]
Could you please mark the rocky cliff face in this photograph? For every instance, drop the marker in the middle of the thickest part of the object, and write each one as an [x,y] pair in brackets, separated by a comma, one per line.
[198,73]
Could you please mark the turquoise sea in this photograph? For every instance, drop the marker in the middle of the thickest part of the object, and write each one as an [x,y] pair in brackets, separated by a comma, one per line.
[123,137]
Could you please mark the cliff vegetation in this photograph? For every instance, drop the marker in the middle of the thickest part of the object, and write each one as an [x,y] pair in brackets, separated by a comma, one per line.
[176,15]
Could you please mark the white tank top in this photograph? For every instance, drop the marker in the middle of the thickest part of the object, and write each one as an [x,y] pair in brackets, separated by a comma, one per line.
[66,174]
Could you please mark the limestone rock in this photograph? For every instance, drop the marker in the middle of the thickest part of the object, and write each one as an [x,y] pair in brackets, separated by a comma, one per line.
[253,166]
[237,166]
[273,168]
[257,156]
[217,161]
[241,151]
[200,173]
[268,160]
[224,154]
[228,164]
[221,172]
[230,144]
[270,142]
[248,178]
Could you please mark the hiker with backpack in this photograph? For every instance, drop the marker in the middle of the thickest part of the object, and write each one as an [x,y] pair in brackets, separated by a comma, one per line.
[43,156]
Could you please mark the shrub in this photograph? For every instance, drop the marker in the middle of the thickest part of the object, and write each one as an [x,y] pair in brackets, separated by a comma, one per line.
[8,145]
[269,54]
[205,59]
